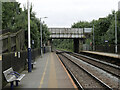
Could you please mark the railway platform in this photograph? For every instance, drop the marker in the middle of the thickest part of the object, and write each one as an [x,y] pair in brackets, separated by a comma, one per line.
[49,72]
[117,56]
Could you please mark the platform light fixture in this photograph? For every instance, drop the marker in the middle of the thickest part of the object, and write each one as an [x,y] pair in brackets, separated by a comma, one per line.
[116,33]
[93,38]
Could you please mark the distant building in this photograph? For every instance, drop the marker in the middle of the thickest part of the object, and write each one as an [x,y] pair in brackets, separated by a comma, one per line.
[119,6]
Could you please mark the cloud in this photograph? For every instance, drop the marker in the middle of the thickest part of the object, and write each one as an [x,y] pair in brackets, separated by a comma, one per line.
[65,12]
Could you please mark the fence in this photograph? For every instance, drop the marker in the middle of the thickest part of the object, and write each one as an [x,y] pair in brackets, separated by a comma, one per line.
[107,48]
[4,31]
[17,60]
[102,48]
[13,41]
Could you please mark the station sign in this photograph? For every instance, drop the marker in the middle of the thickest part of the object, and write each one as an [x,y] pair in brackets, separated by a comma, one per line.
[106,41]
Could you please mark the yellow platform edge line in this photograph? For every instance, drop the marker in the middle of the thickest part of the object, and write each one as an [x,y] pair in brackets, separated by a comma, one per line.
[41,82]
[0,57]
[67,73]
[52,74]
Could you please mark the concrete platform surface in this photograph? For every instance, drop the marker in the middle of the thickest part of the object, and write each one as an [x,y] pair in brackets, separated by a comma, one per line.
[47,73]
[0,74]
[104,54]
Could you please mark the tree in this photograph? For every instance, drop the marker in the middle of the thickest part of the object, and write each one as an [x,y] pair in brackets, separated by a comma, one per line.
[81,24]
[66,44]
[9,11]
[104,28]
[15,19]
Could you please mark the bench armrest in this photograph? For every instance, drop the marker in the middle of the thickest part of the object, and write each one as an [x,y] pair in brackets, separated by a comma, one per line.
[16,74]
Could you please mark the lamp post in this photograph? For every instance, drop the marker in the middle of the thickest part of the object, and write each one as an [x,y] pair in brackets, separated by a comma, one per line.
[29,44]
[93,39]
[41,33]
[116,33]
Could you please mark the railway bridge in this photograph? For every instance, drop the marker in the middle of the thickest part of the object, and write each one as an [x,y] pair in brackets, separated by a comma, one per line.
[77,34]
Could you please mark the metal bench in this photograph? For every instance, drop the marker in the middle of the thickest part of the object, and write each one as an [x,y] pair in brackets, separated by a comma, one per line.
[33,62]
[12,76]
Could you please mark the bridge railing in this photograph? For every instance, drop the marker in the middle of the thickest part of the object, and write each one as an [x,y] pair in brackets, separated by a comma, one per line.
[69,32]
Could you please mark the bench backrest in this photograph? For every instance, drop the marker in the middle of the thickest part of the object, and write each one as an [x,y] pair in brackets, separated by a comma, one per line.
[6,72]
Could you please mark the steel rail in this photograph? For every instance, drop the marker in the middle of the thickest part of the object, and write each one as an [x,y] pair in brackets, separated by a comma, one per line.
[102,62]
[100,81]
[72,75]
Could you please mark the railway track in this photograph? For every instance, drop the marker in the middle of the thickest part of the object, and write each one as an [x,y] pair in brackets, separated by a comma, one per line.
[110,68]
[84,78]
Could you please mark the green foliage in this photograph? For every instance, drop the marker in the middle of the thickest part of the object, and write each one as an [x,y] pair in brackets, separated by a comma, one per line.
[101,27]
[66,44]
[14,19]
[9,11]
[45,33]
[104,28]
[81,24]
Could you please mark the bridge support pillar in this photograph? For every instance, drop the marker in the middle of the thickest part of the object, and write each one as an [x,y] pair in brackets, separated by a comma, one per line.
[76,45]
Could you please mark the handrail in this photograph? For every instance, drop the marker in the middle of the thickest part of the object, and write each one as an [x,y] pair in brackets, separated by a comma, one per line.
[11,33]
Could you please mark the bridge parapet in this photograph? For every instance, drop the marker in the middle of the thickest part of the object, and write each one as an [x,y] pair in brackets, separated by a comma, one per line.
[69,32]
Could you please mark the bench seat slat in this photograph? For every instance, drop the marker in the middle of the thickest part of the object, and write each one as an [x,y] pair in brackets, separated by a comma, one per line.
[20,77]
[33,63]
[11,79]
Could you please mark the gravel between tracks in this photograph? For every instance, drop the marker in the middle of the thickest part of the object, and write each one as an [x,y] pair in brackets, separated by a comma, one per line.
[102,75]
[108,68]
[85,80]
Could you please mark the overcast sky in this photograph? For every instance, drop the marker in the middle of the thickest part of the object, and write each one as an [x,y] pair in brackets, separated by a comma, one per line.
[63,13]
